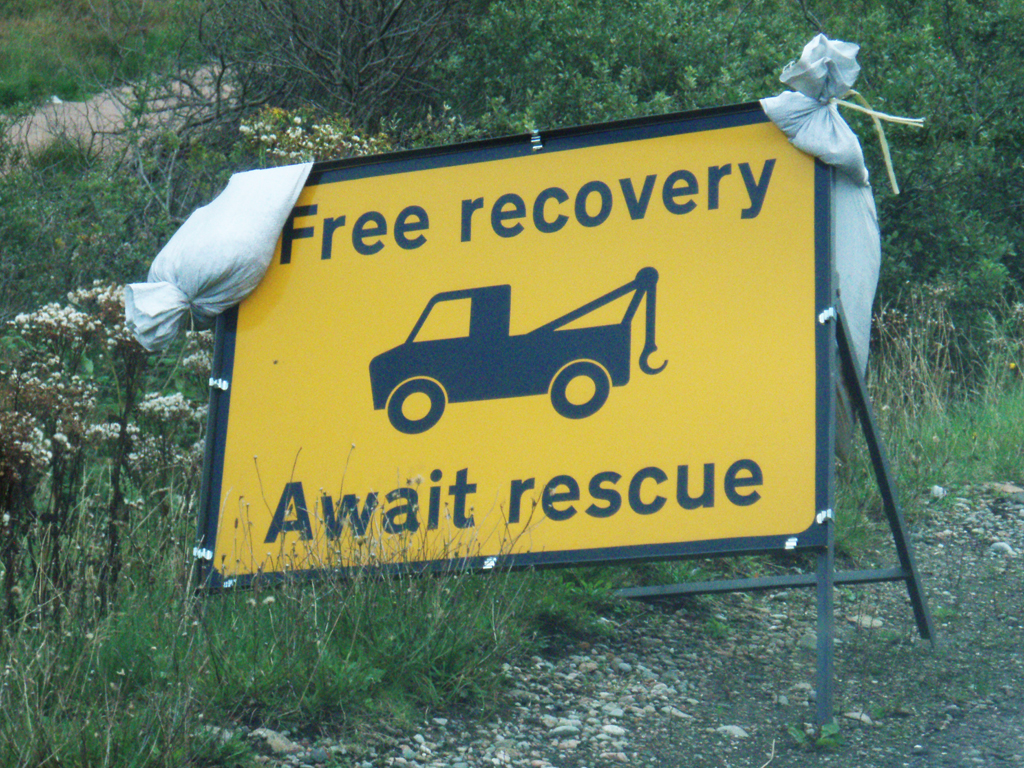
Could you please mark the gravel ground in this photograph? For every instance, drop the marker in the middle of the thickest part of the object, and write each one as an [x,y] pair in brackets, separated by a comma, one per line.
[729,681]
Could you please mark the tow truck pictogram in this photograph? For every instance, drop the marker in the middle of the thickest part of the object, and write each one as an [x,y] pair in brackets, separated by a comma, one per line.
[489,364]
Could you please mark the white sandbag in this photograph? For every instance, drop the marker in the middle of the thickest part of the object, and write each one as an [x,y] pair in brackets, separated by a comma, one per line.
[217,257]
[826,70]
[858,253]
[818,129]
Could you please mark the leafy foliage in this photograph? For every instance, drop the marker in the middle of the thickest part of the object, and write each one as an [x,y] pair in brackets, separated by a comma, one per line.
[955,222]
[66,222]
[955,225]
[84,445]
[826,738]
[514,65]
[543,64]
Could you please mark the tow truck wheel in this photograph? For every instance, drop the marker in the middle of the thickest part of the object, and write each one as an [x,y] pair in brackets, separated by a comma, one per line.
[401,393]
[560,387]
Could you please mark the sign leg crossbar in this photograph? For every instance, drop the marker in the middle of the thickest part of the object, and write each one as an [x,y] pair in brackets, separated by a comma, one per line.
[825,576]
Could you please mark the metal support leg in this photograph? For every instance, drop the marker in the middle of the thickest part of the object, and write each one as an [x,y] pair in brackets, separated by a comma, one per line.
[886,486]
[826,627]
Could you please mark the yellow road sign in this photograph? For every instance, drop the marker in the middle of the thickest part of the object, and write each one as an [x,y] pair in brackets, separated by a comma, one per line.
[597,344]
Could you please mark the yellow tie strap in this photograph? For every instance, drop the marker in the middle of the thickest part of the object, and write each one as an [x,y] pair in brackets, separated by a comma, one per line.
[876,118]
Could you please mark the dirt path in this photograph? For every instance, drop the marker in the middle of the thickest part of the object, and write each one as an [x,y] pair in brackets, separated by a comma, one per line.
[98,123]
[93,123]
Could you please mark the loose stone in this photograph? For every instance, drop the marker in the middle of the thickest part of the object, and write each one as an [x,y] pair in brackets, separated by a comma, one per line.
[859,717]
[563,730]
[278,743]
[733,731]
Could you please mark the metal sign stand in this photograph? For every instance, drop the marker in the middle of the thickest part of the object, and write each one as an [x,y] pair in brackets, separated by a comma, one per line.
[826,577]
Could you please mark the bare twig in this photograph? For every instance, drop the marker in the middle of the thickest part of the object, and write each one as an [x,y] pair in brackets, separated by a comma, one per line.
[365,59]
[810,16]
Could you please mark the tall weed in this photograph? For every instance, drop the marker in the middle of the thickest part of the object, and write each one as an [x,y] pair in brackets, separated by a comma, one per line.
[947,402]
[946,399]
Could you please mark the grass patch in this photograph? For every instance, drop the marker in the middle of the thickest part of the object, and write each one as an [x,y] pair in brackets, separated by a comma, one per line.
[138,685]
[948,408]
[71,50]
[311,652]
[946,402]
[52,53]
[574,603]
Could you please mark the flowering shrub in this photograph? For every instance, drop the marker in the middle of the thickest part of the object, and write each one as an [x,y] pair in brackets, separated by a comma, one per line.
[167,444]
[283,137]
[86,435]
[23,448]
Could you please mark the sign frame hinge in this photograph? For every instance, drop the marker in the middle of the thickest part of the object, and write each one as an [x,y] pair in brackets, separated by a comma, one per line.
[827,315]
[535,141]
[221,384]
[825,514]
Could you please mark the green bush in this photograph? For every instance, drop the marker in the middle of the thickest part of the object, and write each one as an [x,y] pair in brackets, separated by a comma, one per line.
[543,64]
